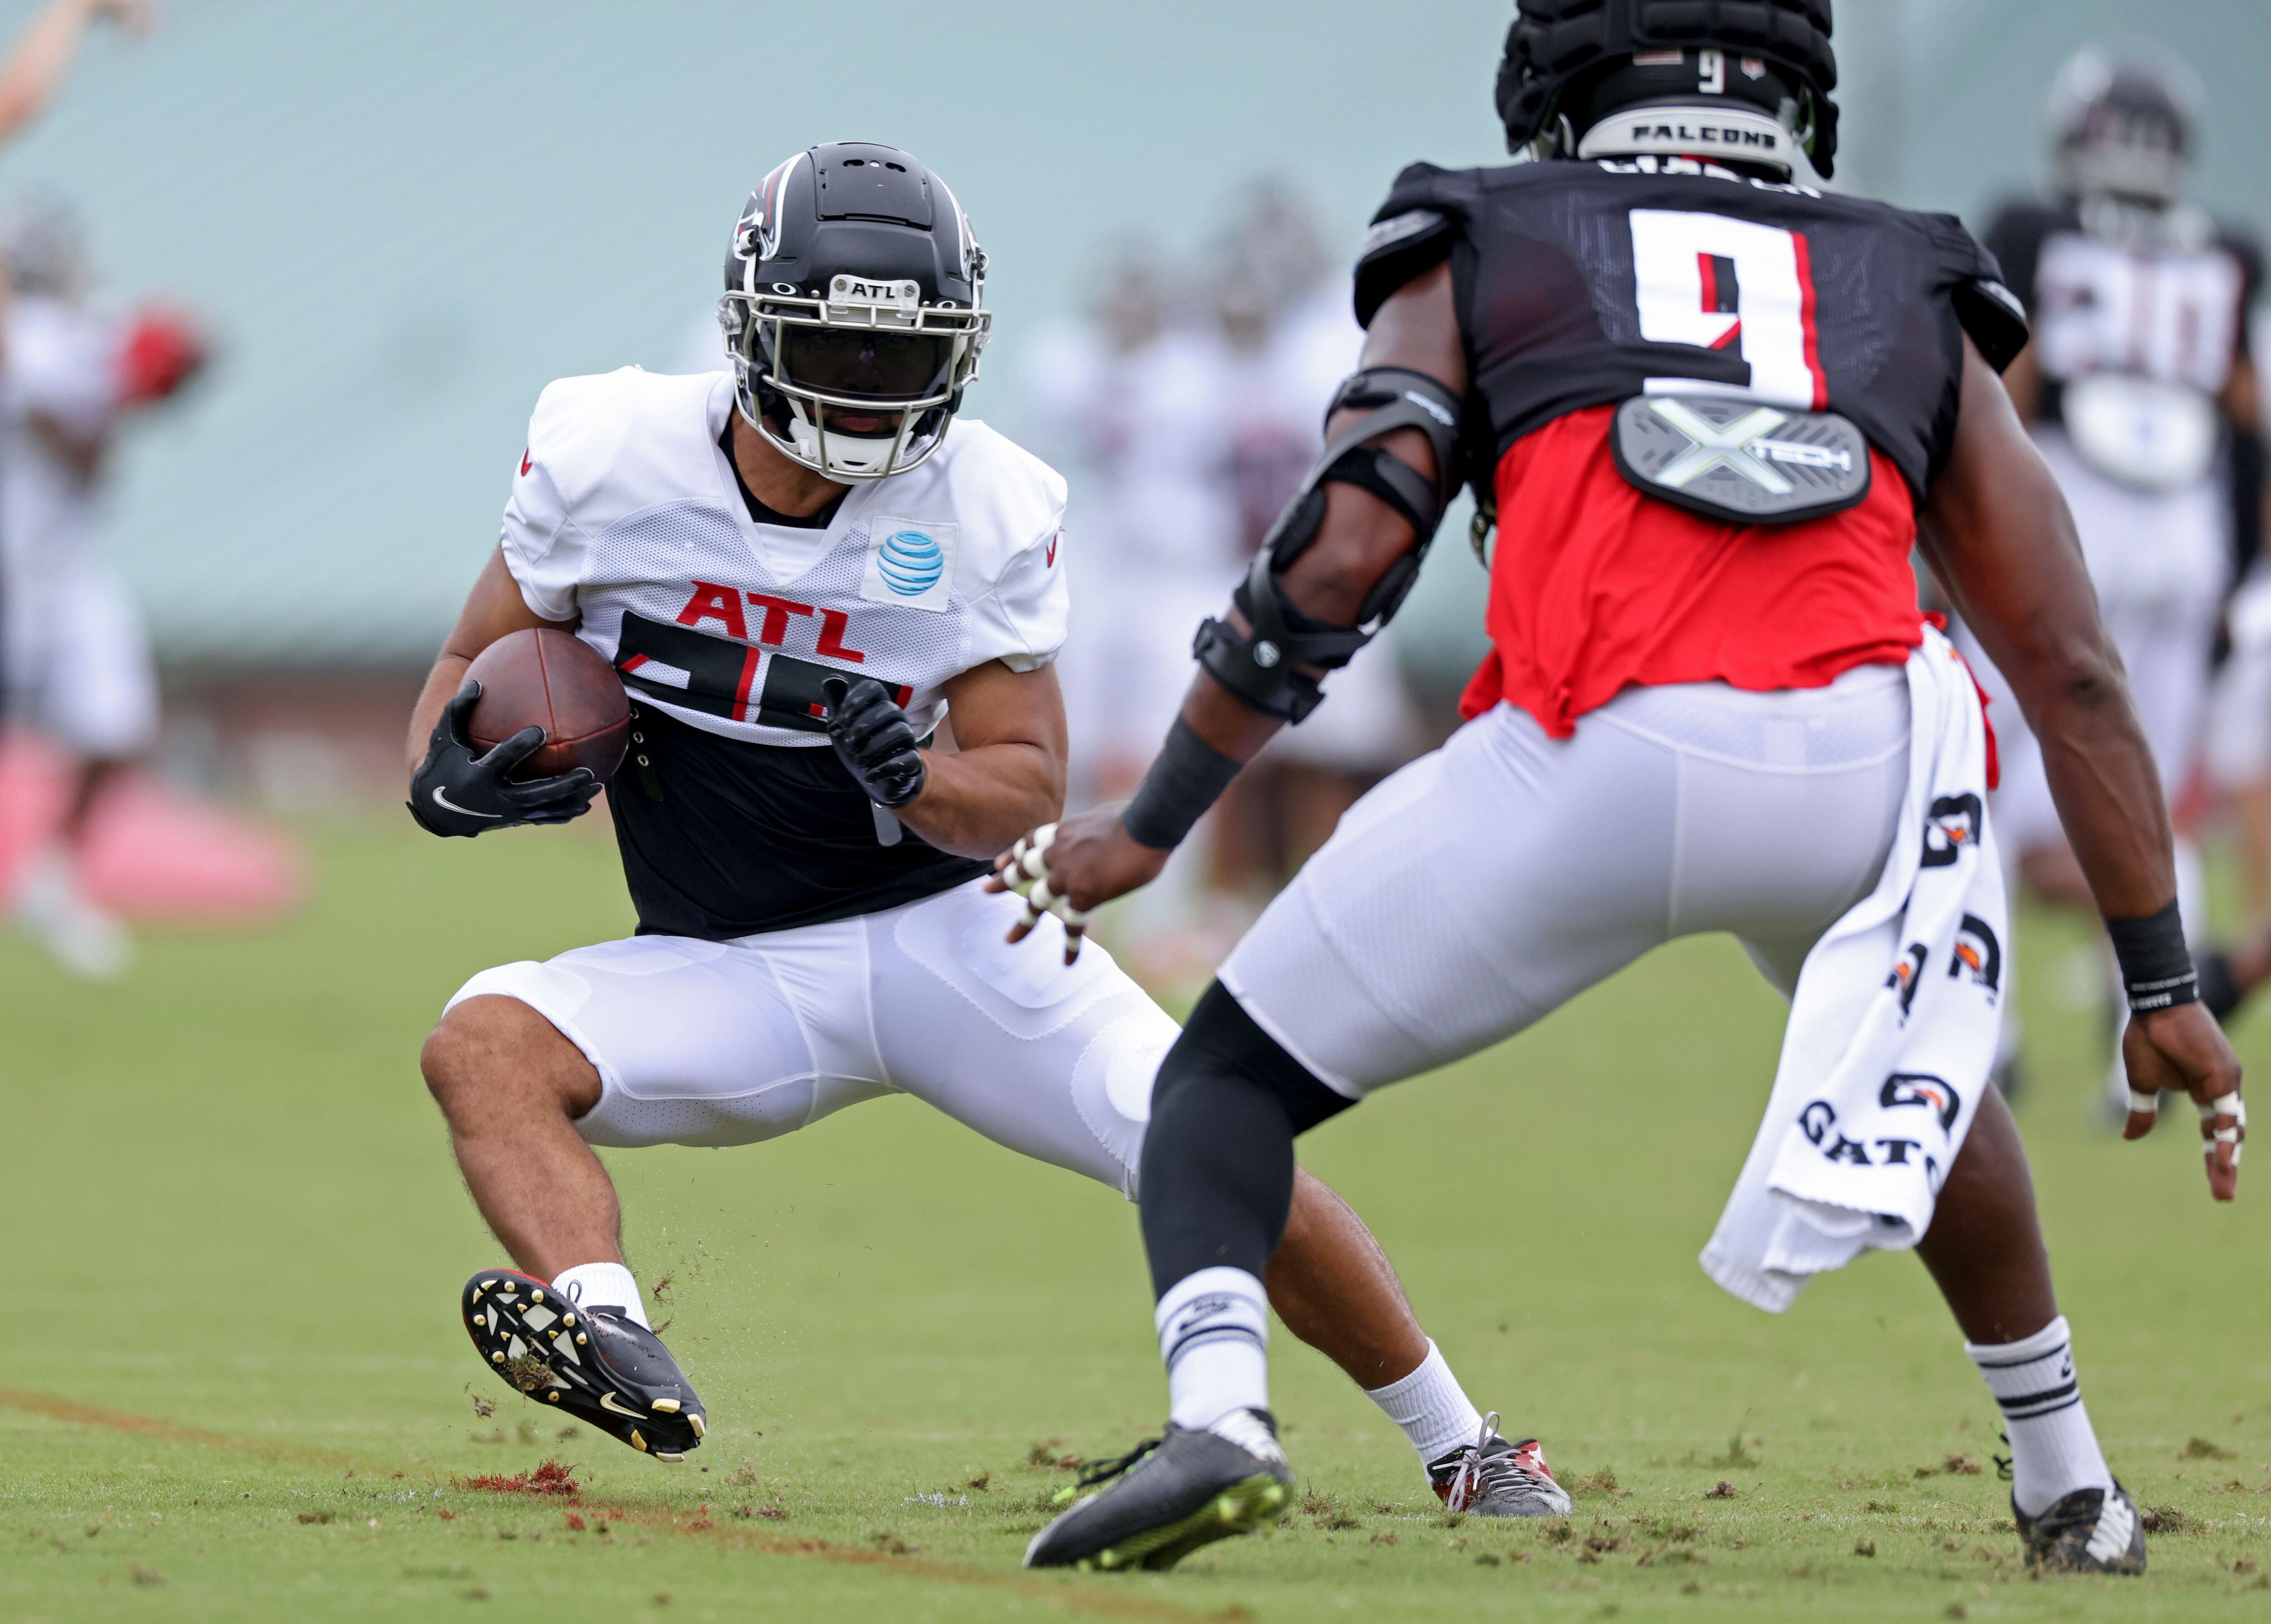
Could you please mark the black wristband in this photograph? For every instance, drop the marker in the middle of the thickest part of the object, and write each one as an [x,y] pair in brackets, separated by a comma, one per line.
[1187,776]
[2156,966]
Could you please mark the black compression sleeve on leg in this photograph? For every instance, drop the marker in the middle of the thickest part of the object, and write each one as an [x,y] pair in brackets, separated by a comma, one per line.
[1218,1171]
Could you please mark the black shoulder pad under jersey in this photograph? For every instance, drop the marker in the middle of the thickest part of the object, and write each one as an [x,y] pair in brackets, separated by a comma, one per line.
[1412,233]
[1993,315]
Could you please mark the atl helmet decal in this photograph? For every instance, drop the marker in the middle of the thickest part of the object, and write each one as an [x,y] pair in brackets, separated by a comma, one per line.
[1978,950]
[1954,820]
[911,562]
[1921,1088]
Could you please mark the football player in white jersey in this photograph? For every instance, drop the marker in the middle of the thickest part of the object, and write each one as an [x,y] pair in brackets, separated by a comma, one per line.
[77,659]
[798,566]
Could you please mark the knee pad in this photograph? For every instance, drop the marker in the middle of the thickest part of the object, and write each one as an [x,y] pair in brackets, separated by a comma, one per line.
[1221,1041]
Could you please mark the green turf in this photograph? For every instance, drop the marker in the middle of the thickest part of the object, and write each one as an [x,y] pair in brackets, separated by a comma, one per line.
[227,1209]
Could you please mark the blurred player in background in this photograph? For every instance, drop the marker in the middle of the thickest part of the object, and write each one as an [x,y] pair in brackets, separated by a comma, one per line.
[1128,398]
[1283,340]
[2141,393]
[74,659]
[797,567]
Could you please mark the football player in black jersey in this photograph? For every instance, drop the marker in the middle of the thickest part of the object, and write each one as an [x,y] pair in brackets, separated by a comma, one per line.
[1714,407]
[2141,389]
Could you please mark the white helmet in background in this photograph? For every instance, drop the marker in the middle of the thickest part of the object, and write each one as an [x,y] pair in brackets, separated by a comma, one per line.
[44,248]
[2123,122]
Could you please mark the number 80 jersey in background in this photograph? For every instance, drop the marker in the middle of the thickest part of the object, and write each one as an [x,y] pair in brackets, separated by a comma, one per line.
[1643,334]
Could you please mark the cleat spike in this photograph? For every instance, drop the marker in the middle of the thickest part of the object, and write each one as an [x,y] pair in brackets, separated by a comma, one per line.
[568,1319]
[580,1338]
[693,1419]
[538,1296]
[665,1406]
[637,1443]
[552,1396]
[673,1459]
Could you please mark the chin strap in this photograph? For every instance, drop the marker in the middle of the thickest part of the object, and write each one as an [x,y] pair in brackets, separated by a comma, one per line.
[1263,667]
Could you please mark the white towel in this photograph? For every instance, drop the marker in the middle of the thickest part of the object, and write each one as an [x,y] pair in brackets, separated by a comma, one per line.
[1892,1029]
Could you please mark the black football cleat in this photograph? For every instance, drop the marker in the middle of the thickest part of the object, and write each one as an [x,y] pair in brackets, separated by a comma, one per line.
[1174,1494]
[596,1364]
[2091,1531]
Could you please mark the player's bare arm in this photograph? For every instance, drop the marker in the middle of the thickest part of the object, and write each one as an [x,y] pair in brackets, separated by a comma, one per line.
[1998,534]
[1007,771]
[1093,858]
[495,608]
[42,55]
[453,789]
[78,451]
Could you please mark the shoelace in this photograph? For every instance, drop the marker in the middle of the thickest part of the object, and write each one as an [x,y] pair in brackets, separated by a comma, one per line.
[1104,1471]
[1479,1475]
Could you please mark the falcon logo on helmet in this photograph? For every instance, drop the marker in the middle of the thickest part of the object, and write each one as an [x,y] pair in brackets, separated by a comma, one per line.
[854,310]
[1748,81]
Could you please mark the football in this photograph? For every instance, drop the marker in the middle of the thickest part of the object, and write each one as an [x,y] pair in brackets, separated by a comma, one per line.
[551,680]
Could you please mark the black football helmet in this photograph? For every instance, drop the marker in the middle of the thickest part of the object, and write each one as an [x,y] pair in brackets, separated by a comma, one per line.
[2122,122]
[853,286]
[1757,73]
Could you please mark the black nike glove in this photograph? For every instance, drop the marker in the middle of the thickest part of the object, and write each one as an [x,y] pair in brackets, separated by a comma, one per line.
[873,737]
[456,793]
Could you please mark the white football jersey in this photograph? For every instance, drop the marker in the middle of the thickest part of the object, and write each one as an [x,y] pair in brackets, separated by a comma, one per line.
[61,360]
[627,517]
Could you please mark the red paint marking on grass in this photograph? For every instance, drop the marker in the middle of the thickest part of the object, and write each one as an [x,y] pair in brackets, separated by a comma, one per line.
[1095,1598]
[58,1409]
[549,1478]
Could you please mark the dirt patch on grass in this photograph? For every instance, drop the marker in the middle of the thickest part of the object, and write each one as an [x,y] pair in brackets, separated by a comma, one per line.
[551,1478]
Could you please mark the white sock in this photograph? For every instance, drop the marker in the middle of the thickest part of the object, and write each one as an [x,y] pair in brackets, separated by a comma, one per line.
[2053,1447]
[1214,1335]
[603,1285]
[1430,1407]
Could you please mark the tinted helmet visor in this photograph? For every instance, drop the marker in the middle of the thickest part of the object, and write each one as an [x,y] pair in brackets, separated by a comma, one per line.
[863,364]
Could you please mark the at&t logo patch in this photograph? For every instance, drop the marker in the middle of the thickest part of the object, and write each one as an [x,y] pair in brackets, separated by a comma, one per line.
[910,563]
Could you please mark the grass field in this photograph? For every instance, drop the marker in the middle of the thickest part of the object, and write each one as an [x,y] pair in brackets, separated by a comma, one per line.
[234,1386]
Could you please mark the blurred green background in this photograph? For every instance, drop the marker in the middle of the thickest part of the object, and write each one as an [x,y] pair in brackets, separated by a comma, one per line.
[404,219]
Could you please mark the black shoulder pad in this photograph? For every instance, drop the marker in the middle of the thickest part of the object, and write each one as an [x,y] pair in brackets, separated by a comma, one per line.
[1412,233]
[1993,315]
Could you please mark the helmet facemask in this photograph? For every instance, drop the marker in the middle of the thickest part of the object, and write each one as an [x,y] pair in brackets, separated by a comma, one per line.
[868,348]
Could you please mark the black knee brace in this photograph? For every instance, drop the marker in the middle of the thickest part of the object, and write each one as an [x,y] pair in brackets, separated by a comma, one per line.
[1218,1171]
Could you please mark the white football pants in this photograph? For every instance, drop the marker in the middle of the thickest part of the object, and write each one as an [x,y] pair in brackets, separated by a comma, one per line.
[2159,561]
[713,1043]
[1492,881]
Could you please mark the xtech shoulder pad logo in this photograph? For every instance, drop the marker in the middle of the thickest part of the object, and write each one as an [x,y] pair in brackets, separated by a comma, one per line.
[910,563]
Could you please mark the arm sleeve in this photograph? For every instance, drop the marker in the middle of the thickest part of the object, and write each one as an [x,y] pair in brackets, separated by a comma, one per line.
[1412,232]
[542,546]
[1022,622]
